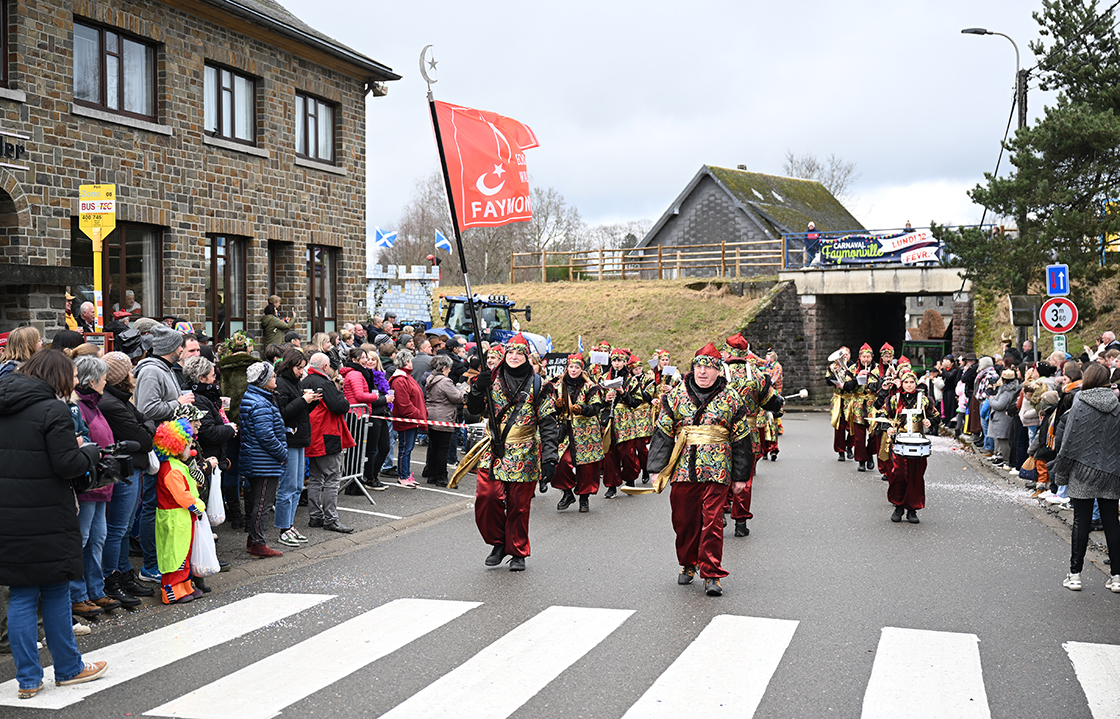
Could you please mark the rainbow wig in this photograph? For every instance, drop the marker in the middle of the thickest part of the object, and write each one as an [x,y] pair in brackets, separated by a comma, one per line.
[172,437]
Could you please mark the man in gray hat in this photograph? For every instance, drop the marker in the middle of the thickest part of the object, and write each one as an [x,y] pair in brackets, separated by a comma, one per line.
[157,397]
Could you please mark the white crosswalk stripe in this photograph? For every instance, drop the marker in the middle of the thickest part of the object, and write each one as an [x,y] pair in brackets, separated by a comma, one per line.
[1097,667]
[263,689]
[931,674]
[159,648]
[725,671]
[530,652]
[748,650]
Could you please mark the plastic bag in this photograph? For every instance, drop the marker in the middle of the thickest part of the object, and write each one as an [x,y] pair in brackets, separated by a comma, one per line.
[215,507]
[204,557]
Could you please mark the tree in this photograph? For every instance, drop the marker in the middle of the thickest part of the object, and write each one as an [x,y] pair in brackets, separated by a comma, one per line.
[1066,176]
[835,174]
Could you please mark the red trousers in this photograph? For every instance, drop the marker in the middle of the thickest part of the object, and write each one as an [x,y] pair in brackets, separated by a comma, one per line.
[501,512]
[842,438]
[907,483]
[641,446]
[630,453]
[697,510]
[741,502]
[769,447]
[614,463]
[866,442]
[583,478]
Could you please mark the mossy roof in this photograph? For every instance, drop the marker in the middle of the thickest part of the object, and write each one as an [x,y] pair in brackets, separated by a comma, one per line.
[779,204]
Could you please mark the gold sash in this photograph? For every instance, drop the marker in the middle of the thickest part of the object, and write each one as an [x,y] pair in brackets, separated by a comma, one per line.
[517,433]
[691,435]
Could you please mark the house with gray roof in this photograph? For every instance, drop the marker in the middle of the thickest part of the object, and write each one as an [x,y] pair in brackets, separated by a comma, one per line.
[742,216]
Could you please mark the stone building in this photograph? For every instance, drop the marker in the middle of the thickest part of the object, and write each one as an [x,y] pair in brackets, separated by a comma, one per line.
[748,209]
[235,136]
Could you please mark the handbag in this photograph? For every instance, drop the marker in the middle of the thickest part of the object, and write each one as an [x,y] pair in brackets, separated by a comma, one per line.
[1029,464]
[215,507]
[204,557]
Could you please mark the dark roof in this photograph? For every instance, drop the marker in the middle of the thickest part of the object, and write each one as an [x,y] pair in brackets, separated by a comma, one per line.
[779,204]
[275,16]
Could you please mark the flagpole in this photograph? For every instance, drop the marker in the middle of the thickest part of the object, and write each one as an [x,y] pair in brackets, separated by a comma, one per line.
[491,420]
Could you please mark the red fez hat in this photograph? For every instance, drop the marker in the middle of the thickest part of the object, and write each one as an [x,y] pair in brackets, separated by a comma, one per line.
[866,348]
[518,343]
[887,348]
[576,358]
[738,341]
[708,356]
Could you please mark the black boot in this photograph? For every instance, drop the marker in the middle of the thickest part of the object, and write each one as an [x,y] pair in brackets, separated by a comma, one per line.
[851,453]
[497,554]
[517,564]
[584,503]
[131,587]
[611,491]
[113,591]
[871,462]
[839,456]
[912,516]
[896,516]
[233,507]
[645,476]
[862,468]
[741,528]
[567,499]
[200,584]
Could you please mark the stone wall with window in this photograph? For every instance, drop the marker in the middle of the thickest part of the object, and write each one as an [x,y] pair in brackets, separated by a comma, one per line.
[183,176]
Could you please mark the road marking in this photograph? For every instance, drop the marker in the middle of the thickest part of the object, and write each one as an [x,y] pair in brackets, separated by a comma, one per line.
[1097,667]
[158,648]
[535,653]
[264,689]
[433,489]
[926,674]
[723,672]
[366,511]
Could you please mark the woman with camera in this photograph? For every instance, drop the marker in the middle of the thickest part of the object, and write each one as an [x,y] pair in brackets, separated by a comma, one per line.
[41,546]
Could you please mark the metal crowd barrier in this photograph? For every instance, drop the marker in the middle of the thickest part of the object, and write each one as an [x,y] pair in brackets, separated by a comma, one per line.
[354,459]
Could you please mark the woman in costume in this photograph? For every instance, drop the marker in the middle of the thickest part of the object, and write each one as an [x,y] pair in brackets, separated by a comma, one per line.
[907,484]
[578,404]
[843,384]
[772,424]
[863,408]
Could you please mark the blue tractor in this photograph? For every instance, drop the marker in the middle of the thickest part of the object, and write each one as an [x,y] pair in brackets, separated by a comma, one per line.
[495,315]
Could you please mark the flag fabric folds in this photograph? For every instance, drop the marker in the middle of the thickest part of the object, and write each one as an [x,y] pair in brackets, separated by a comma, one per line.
[442,243]
[383,239]
[486,165]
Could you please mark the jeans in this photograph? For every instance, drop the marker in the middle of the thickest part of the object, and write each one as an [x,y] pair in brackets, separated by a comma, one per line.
[388,465]
[148,522]
[55,602]
[118,518]
[1031,432]
[458,437]
[287,492]
[985,413]
[407,439]
[91,517]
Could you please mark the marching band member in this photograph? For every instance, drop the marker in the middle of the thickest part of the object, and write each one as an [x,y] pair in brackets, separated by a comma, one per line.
[702,447]
[645,391]
[618,423]
[907,485]
[772,428]
[843,383]
[578,404]
[519,452]
[863,408]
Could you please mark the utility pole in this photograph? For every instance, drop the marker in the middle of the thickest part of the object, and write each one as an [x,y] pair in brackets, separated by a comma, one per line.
[1021,96]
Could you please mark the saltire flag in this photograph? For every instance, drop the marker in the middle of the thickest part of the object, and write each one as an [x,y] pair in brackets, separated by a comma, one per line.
[442,243]
[383,239]
[486,164]
[580,344]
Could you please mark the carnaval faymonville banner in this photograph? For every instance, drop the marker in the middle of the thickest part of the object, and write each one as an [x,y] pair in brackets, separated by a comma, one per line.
[901,248]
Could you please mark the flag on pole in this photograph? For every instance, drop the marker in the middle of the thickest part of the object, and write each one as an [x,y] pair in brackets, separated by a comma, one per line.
[486,165]
[442,243]
[383,239]
[580,344]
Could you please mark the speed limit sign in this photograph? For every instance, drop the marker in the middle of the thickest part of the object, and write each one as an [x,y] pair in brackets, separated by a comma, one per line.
[1058,315]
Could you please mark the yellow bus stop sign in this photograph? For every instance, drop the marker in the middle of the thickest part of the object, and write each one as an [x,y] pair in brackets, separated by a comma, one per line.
[97,211]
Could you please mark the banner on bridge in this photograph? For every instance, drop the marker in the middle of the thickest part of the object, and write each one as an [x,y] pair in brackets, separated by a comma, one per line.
[902,248]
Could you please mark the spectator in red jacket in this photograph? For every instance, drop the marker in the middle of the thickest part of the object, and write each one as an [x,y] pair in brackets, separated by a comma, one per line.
[329,436]
[408,403]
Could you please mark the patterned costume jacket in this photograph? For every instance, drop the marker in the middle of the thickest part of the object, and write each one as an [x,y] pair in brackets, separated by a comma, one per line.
[771,426]
[904,401]
[840,407]
[578,420]
[631,414]
[864,396]
[535,425]
[647,411]
[724,463]
[754,389]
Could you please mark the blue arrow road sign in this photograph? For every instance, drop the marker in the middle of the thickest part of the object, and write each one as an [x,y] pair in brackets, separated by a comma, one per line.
[1057,280]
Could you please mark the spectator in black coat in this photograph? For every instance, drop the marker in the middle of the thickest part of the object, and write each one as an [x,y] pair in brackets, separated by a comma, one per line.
[294,403]
[215,430]
[40,541]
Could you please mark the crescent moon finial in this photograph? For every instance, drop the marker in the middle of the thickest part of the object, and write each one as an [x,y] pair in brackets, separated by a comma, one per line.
[431,65]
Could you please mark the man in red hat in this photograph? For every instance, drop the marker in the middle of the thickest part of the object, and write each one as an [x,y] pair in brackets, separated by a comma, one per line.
[746,376]
[863,408]
[519,452]
[578,404]
[701,445]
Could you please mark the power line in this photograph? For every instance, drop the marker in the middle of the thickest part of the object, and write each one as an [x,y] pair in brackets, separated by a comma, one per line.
[1077,36]
[1010,115]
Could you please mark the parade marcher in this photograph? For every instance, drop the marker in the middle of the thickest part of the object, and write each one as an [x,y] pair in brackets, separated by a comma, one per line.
[617,418]
[843,384]
[907,485]
[746,377]
[863,408]
[578,404]
[772,428]
[520,412]
[645,391]
[702,446]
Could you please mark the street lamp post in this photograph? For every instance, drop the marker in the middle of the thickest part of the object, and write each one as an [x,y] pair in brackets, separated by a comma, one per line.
[1020,75]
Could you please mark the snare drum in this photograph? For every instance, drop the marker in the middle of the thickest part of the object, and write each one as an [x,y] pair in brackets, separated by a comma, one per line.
[911,444]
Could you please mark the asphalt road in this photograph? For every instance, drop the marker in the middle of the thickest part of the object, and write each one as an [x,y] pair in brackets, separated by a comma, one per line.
[830,610]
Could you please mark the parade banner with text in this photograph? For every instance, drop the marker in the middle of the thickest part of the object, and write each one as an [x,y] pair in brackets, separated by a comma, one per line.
[486,165]
[903,248]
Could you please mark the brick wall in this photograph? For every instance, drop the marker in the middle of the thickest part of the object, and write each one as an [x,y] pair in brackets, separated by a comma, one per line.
[177,181]
[777,322]
[964,329]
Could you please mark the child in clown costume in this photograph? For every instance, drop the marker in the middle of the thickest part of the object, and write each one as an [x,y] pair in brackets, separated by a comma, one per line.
[177,505]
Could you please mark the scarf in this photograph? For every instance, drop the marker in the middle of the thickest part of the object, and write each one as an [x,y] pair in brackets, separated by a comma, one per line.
[378,379]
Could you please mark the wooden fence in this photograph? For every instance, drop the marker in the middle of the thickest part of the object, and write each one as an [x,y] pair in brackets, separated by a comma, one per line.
[723,259]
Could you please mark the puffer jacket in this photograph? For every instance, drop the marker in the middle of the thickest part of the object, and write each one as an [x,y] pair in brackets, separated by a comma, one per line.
[355,386]
[444,400]
[40,541]
[408,401]
[264,451]
[1002,404]
[214,432]
[127,423]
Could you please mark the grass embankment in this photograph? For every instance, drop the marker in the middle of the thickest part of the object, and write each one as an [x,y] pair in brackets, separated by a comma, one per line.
[643,315]
[993,317]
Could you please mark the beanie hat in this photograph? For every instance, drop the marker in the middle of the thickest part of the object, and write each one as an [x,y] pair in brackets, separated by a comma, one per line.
[1049,399]
[172,437]
[189,412]
[144,325]
[119,367]
[165,340]
[259,373]
[1007,374]
[985,363]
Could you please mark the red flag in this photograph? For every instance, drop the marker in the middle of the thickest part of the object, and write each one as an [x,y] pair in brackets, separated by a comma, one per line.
[486,164]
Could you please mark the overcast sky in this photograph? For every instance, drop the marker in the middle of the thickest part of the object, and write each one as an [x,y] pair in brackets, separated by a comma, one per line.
[629,99]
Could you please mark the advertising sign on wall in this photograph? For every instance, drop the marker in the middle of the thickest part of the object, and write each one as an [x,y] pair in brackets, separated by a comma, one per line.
[901,248]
